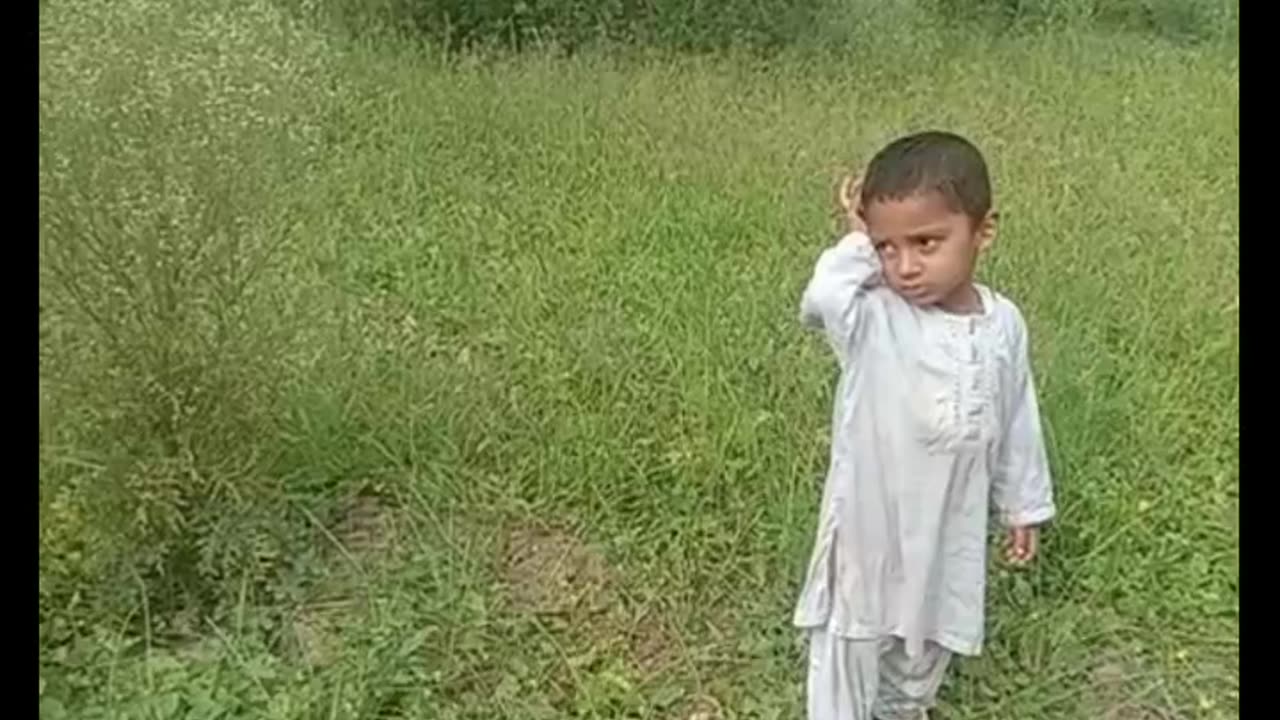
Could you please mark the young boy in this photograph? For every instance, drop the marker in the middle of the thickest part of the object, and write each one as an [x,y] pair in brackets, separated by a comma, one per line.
[935,418]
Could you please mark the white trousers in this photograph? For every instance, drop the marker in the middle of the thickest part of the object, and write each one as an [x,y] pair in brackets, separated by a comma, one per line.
[871,679]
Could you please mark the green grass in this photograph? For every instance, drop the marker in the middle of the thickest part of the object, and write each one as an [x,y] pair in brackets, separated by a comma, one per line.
[280,268]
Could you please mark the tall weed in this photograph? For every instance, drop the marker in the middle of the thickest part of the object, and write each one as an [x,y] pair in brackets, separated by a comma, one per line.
[173,143]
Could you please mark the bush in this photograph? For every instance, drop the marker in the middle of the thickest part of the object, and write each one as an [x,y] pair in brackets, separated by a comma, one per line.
[570,24]
[170,145]
[1179,20]
[760,24]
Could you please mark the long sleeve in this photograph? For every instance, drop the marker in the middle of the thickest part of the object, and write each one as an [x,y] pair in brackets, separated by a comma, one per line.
[1022,488]
[842,275]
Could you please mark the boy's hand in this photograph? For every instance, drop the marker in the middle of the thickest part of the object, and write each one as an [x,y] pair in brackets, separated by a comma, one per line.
[849,204]
[1022,545]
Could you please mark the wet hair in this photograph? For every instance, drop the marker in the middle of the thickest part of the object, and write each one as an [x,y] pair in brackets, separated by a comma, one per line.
[931,161]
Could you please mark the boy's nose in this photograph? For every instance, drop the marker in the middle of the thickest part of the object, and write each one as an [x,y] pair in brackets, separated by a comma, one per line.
[908,265]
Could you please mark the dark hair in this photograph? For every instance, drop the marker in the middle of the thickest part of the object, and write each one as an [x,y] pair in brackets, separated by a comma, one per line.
[931,161]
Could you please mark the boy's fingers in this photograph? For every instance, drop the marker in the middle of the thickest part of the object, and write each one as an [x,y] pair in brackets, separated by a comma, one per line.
[844,195]
[850,191]
[1022,545]
[855,192]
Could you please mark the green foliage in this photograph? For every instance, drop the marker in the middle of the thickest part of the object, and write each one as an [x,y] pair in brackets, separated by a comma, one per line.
[1179,20]
[766,25]
[172,144]
[571,24]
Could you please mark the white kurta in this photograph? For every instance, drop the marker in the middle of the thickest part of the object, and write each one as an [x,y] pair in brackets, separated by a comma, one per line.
[935,420]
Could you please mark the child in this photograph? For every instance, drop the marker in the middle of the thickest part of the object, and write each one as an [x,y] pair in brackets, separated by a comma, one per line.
[935,418]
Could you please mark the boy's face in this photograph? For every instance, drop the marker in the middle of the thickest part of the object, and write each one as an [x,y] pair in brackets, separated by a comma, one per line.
[928,251]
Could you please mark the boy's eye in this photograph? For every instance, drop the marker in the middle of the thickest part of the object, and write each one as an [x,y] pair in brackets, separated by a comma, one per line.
[928,243]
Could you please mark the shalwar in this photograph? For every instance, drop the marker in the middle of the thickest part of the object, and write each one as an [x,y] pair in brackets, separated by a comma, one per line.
[866,679]
[935,420]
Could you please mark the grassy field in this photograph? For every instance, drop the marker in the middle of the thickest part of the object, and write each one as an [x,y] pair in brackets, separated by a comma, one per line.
[378,383]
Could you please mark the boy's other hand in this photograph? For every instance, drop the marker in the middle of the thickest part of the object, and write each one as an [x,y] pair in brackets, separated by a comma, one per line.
[1022,545]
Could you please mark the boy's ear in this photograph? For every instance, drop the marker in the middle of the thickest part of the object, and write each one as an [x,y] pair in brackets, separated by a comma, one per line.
[987,230]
